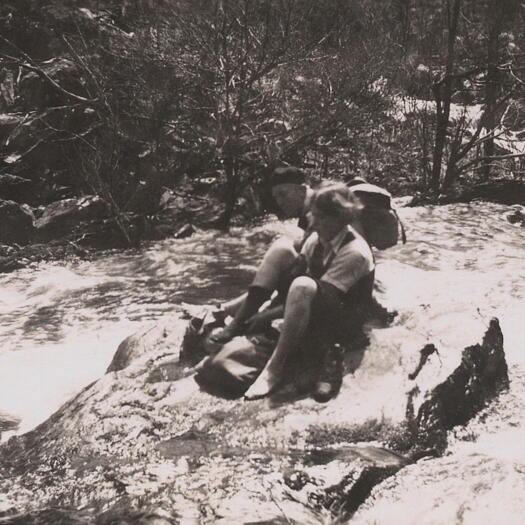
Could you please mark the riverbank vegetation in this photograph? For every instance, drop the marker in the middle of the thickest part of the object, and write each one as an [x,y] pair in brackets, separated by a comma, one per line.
[144,102]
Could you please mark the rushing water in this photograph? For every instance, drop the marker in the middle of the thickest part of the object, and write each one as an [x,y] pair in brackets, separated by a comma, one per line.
[61,323]
[463,264]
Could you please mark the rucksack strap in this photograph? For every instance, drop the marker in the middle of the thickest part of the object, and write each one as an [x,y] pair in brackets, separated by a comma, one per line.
[403,234]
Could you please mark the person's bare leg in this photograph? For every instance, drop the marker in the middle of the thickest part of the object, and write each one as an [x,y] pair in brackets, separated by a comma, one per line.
[230,307]
[278,259]
[296,319]
[255,297]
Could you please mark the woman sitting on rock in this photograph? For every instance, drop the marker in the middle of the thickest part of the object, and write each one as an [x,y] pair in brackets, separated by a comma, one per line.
[334,290]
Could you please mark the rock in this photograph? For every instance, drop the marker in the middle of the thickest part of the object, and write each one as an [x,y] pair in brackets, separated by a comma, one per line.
[517,217]
[10,264]
[6,250]
[36,92]
[481,374]
[145,436]
[8,422]
[13,187]
[16,257]
[9,122]
[401,202]
[159,336]
[458,488]
[503,191]
[326,483]
[17,222]
[7,89]
[62,216]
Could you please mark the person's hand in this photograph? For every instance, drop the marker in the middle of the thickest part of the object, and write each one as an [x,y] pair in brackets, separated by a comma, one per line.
[258,323]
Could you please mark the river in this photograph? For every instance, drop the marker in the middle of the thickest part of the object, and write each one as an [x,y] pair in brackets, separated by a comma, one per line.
[61,323]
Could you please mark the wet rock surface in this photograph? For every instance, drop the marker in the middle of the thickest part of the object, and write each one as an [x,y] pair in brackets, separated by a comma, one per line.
[143,444]
[491,491]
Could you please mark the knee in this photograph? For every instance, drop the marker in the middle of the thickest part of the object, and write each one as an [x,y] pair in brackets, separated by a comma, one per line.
[303,287]
[283,247]
[281,254]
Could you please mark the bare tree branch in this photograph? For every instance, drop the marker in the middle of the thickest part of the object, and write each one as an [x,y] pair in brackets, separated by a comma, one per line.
[29,64]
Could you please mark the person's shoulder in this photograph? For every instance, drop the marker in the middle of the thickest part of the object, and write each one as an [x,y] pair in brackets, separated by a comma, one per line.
[360,243]
[357,248]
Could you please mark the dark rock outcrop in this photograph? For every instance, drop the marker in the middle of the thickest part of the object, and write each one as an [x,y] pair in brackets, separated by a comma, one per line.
[8,422]
[504,192]
[158,336]
[16,257]
[36,88]
[8,123]
[481,374]
[59,218]
[517,216]
[17,223]
[13,187]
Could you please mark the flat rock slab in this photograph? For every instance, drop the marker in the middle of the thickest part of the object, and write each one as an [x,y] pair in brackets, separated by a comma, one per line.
[145,436]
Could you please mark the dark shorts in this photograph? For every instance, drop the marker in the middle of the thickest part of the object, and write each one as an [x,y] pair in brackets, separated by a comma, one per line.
[334,319]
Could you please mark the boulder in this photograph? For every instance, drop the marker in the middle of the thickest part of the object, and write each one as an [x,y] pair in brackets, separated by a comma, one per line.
[457,488]
[37,92]
[61,217]
[10,264]
[480,375]
[7,89]
[8,123]
[158,336]
[22,256]
[8,422]
[13,187]
[17,222]
[517,216]
[502,191]
[146,437]
[401,202]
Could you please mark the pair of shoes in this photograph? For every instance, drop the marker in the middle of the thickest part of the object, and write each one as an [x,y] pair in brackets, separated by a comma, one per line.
[331,375]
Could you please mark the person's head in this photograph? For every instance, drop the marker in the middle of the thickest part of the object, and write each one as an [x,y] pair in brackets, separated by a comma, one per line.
[333,207]
[289,190]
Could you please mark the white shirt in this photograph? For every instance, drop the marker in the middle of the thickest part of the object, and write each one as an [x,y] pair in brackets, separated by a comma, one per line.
[349,262]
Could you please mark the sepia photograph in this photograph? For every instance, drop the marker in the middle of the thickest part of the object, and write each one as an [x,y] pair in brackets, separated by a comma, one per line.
[262,262]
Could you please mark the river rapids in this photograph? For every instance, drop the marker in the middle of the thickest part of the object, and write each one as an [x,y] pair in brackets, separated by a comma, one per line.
[462,265]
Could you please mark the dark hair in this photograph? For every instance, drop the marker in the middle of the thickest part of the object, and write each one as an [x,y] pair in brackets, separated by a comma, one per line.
[287,175]
[336,200]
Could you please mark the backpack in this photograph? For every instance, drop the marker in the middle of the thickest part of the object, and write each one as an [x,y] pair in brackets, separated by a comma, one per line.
[380,221]
[233,369]
[230,368]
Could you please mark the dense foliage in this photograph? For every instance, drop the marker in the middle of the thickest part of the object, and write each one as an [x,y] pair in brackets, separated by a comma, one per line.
[125,99]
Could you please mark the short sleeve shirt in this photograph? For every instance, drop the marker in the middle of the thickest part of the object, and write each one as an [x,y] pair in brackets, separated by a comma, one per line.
[349,261]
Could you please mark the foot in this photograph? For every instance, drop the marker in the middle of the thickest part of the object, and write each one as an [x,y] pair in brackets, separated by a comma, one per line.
[263,386]
[223,336]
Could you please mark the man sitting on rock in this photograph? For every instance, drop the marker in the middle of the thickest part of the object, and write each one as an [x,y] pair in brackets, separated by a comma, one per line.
[292,196]
[334,290]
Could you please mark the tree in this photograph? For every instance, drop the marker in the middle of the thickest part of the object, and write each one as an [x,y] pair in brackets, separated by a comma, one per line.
[470,64]
[442,89]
